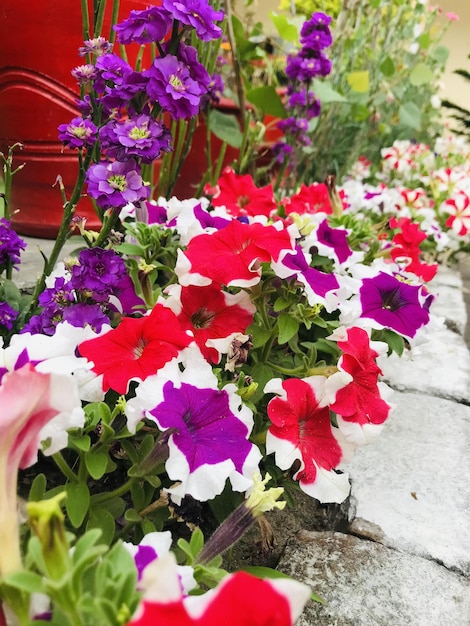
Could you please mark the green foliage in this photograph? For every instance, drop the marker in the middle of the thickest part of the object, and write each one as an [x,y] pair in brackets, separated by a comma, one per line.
[307,7]
[459,113]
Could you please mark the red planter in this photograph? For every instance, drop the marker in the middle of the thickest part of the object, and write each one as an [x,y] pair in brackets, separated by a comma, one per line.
[39,44]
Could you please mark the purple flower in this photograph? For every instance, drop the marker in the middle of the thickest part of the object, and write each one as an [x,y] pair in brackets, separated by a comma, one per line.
[317,283]
[81,315]
[98,273]
[188,56]
[10,245]
[170,84]
[85,73]
[7,315]
[118,96]
[139,136]
[112,67]
[78,133]
[393,304]
[114,184]
[335,238]
[57,297]
[147,26]
[197,14]
[315,33]
[97,46]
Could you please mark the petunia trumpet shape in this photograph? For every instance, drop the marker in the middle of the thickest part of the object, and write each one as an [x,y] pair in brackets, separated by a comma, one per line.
[241,598]
[136,349]
[301,433]
[28,401]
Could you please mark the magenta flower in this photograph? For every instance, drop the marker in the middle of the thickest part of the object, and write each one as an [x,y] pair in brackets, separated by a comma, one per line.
[197,14]
[10,245]
[393,304]
[7,315]
[114,184]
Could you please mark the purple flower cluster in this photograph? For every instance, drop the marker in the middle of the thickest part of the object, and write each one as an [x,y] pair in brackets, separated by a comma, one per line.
[301,68]
[124,108]
[8,315]
[98,281]
[10,245]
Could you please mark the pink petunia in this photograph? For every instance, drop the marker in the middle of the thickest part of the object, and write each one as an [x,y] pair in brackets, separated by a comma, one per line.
[28,401]
[137,348]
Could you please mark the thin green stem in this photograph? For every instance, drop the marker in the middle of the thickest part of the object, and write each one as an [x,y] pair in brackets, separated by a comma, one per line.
[65,467]
[100,498]
[114,19]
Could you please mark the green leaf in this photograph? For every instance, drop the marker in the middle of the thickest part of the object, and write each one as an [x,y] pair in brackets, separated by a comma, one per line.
[288,327]
[325,92]
[82,443]
[287,29]
[387,67]
[102,518]
[421,74]
[359,81]
[96,462]
[395,342]
[77,503]
[225,126]
[26,581]
[440,54]
[259,335]
[280,304]
[130,249]
[410,115]
[85,542]
[196,542]
[38,488]
[267,100]
[424,41]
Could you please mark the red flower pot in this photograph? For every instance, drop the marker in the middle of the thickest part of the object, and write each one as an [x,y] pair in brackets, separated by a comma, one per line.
[38,49]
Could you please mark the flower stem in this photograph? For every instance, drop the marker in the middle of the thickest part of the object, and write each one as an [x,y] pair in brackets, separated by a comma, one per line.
[64,467]
[100,498]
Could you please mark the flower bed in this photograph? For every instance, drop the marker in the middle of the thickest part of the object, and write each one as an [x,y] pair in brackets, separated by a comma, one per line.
[198,361]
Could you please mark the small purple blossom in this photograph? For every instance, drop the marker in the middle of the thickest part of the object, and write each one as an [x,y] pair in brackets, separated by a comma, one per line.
[59,296]
[8,315]
[114,184]
[98,273]
[139,136]
[147,26]
[170,84]
[315,33]
[97,47]
[82,314]
[85,73]
[10,245]
[393,304]
[78,133]
[111,67]
[197,14]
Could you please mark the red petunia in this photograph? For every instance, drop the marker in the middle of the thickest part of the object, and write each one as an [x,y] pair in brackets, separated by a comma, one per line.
[137,348]
[301,432]
[210,313]
[311,199]
[407,246]
[241,196]
[360,400]
[232,255]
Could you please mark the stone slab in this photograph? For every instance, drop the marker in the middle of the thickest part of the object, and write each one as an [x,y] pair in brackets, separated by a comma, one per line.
[32,262]
[410,487]
[367,584]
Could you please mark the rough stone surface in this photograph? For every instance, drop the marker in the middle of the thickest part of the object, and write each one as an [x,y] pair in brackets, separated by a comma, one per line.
[32,262]
[410,488]
[366,584]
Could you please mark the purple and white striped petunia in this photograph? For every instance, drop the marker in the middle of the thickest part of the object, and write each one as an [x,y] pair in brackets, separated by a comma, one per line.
[209,428]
